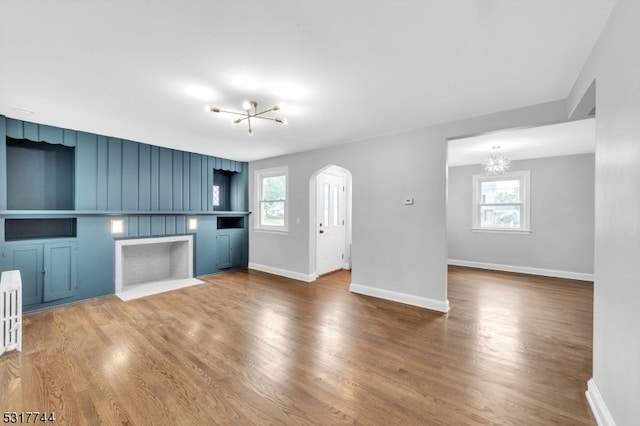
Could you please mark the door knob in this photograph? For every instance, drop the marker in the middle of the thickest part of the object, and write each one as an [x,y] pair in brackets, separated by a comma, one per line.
[321,231]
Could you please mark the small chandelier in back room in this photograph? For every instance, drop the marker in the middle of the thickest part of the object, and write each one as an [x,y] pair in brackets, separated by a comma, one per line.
[251,111]
[496,163]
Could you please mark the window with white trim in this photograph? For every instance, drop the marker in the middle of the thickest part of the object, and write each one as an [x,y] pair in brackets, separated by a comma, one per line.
[271,191]
[501,203]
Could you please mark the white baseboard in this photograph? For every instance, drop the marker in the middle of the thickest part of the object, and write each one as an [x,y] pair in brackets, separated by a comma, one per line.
[523,270]
[598,407]
[283,272]
[394,296]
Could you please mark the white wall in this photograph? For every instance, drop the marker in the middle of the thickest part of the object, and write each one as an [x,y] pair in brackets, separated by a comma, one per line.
[562,220]
[615,65]
[399,252]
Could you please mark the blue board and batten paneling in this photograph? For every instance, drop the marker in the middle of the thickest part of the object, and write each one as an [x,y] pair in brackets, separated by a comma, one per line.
[195,196]
[114,175]
[130,173]
[144,177]
[3,166]
[87,167]
[102,173]
[18,129]
[120,175]
[155,190]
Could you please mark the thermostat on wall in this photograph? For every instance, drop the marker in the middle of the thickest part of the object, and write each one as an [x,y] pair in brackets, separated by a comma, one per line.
[408,201]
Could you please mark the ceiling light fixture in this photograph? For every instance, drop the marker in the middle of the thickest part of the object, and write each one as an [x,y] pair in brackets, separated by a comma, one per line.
[496,164]
[251,111]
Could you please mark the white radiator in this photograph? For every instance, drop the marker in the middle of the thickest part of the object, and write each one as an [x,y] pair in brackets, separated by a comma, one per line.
[10,312]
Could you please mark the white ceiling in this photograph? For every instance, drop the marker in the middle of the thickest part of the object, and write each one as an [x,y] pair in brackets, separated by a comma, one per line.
[348,70]
[574,137]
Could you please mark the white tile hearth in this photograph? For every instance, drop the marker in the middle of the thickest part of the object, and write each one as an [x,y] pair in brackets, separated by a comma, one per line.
[135,291]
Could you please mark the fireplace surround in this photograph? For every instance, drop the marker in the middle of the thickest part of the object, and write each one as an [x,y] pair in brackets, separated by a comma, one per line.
[145,266]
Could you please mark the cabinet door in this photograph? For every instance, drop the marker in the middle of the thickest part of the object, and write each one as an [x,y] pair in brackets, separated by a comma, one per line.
[28,260]
[237,249]
[230,249]
[223,251]
[60,270]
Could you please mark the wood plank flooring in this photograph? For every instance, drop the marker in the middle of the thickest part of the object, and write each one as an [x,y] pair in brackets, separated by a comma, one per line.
[251,348]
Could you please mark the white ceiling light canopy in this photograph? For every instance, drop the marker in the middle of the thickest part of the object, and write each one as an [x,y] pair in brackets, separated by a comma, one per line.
[251,111]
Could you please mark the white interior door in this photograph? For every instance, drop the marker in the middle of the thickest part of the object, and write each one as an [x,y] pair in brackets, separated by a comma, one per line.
[330,222]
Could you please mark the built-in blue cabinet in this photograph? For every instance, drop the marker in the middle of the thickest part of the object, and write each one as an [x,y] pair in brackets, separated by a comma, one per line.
[231,242]
[230,249]
[60,270]
[48,269]
[78,182]
[29,260]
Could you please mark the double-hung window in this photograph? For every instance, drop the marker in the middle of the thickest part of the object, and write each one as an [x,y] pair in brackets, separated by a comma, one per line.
[271,190]
[501,203]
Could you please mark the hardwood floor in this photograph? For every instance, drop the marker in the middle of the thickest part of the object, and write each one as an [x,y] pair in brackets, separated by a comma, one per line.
[251,348]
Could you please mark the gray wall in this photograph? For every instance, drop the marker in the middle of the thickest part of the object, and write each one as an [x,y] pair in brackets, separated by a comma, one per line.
[562,221]
[396,248]
[614,64]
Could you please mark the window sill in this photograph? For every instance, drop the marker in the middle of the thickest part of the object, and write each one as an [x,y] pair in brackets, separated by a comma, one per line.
[501,231]
[271,231]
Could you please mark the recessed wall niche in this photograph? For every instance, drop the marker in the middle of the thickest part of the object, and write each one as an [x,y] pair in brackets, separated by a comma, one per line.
[227,191]
[221,190]
[231,222]
[40,176]
[30,229]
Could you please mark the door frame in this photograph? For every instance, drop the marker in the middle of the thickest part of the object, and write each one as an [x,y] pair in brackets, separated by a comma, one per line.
[313,235]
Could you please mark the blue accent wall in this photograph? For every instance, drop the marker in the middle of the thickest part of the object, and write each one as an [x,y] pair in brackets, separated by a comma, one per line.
[120,175]
[3,166]
[155,190]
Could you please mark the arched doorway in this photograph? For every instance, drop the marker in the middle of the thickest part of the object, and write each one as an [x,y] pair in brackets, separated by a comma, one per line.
[330,219]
